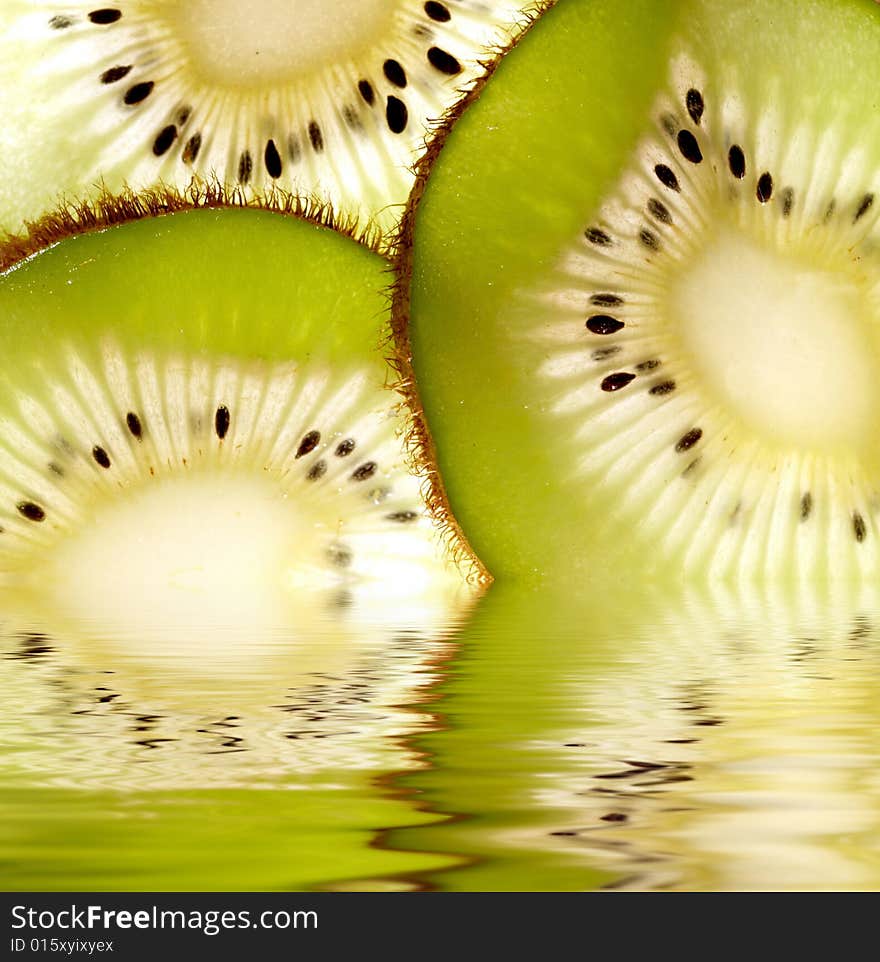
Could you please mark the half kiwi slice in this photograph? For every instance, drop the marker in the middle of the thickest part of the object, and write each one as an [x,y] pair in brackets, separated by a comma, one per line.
[644,294]
[195,429]
[328,99]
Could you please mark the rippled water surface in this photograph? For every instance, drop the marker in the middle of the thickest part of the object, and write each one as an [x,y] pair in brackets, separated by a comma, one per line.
[538,741]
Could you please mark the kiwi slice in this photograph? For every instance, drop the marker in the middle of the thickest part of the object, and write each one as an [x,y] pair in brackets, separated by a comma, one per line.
[329,99]
[644,294]
[196,434]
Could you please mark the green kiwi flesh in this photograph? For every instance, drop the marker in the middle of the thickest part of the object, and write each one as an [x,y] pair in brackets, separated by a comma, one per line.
[640,295]
[327,99]
[195,431]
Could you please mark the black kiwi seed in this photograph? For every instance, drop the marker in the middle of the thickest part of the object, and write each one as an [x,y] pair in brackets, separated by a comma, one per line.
[664,387]
[221,421]
[764,189]
[318,470]
[649,239]
[164,139]
[308,444]
[115,73]
[60,23]
[695,105]
[650,365]
[736,160]
[101,457]
[272,159]
[689,147]
[344,448]
[396,115]
[658,210]
[364,471]
[437,12]
[134,425]
[616,381]
[806,506]
[864,207]
[56,469]
[606,300]
[394,73]
[443,61]
[597,236]
[138,92]
[859,529]
[402,517]
[245,166]
[191,150]
[31,511]
[688,440]
[614,817]
[666,177]
[105,16]
[365,89]
[603,324]
[316,138]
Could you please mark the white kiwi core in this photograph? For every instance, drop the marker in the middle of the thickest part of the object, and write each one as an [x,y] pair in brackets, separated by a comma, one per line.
[786,344]
[192,551]
[233,43]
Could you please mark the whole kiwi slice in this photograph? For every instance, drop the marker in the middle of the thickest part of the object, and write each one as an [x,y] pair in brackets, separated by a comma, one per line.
[643,311]
[195,428]
[328,99]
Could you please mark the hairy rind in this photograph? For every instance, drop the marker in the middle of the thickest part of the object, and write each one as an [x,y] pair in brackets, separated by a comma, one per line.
[418,441]
[108,209]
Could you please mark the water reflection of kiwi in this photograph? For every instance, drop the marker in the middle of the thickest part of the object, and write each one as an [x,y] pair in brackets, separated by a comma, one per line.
[694,741]
[733,749]
[83,714]
[127,772]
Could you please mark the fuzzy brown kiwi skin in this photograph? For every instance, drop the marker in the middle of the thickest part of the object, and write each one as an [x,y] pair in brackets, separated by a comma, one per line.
[419,442]
[108,209]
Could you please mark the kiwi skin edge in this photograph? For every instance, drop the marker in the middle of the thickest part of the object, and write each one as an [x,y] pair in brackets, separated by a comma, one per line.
[418,441]
[109,209]
[106,209]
